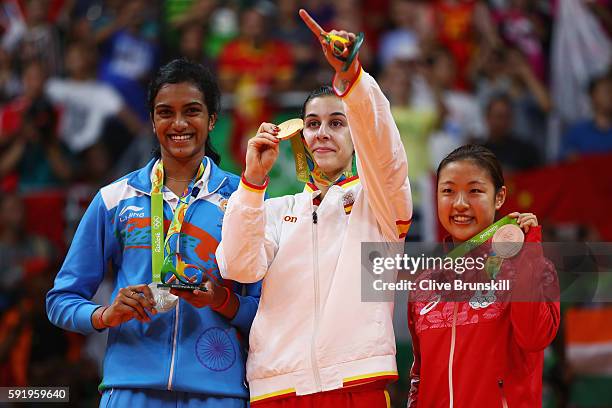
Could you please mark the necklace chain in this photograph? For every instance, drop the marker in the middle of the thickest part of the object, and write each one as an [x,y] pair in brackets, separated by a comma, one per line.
[179,180]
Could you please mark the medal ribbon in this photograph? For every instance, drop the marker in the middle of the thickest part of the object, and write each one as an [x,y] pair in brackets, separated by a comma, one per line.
[159,263]
[480,238]
[307,169]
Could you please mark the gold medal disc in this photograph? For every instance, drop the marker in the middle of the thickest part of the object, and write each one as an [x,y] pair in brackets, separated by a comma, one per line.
[290,128]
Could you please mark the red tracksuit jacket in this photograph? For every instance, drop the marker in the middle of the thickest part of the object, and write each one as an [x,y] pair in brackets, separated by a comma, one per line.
[489,357]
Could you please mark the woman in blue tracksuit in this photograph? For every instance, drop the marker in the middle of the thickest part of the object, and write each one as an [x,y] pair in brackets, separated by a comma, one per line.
[182,348]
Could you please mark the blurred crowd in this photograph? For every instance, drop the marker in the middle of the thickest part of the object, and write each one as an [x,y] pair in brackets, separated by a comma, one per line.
[530,79]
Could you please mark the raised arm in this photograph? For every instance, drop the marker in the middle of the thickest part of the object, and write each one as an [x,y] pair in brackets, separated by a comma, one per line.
[248,242]
[381,158]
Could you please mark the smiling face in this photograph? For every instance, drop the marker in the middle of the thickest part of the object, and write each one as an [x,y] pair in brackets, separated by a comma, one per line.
[181,122]
[327,134]
[467,199]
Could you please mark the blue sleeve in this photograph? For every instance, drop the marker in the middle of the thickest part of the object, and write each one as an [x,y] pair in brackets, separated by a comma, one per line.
[249,302]
[247,294]
[69,303]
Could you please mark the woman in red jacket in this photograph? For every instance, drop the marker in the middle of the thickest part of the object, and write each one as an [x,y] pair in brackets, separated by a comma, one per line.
[482,350]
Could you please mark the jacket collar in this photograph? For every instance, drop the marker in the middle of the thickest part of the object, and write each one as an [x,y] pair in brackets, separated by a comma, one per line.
[345,184]
[141,179]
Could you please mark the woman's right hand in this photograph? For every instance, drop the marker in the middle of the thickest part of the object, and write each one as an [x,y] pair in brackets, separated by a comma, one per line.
[262,152]
[131,302]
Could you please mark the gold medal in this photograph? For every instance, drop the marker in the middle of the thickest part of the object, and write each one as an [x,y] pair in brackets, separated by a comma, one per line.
[290,128]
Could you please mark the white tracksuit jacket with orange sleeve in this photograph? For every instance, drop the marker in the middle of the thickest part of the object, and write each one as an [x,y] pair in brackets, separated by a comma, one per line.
[312,332]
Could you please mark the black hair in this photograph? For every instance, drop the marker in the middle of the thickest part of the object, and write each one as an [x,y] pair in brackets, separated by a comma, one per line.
[43,116]
[182,70]
[324,90]
[479,155]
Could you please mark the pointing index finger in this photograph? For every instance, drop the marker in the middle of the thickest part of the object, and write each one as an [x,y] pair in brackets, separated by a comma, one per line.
[314,27]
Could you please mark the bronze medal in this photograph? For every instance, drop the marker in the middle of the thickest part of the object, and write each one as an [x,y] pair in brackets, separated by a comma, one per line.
[508,241]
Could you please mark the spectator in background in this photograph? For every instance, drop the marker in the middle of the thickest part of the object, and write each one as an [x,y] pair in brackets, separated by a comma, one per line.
[41,39]
[184,13]
[322,11]
[216,20]
[403,34]
[580,50]
[255,68]
[290,30]
[376,15]
[32,351]
[513,153]
[31,156]
[522,27]
[415,121]
[602,9]
[506,71]
[129,54]
[87,105]
[458,23]
[592,135]
[462,119]
[22,255]
[191,45]
[10,86]
[349,14]
[29,344]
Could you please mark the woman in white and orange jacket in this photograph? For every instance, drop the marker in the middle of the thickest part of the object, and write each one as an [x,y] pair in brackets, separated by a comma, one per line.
[313,340]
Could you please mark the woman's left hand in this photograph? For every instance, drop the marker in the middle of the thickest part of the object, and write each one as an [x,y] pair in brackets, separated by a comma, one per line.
[525,220]
[214,295]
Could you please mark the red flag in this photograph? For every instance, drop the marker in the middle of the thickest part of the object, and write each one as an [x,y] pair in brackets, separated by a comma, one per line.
[577,192]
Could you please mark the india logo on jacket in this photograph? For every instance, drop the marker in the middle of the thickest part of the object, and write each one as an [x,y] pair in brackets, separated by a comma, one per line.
[214,349]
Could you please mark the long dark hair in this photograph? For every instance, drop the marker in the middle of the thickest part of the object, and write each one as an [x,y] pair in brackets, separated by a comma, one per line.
[479,155]
[180,71]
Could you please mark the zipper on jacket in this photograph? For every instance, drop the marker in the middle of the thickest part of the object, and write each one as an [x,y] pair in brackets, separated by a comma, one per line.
[315,331]
[500,383]
[174,340]
[451,357]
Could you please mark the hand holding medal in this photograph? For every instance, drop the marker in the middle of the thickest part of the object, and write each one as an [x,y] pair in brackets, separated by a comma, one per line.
[132,302]
[290,128]
[525,220]
[262,152]
[507,239]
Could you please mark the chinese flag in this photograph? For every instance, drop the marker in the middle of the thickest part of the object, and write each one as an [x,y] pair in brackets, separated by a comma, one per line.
[576,192]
